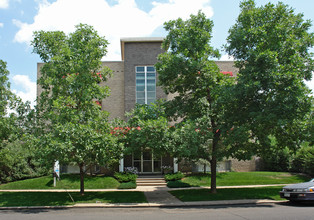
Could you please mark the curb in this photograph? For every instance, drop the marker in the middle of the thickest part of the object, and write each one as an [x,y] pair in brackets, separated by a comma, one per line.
[151,205]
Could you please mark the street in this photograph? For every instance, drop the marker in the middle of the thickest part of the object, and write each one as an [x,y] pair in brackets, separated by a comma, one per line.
[280,211]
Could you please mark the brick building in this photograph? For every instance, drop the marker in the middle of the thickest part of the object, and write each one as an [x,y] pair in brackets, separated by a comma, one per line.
[134,81]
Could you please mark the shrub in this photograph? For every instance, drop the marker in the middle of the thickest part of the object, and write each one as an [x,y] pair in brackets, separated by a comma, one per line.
[127,185]
[303,161]
[177,184]
[277,160]
[173,177]
[18,161]
[125,177]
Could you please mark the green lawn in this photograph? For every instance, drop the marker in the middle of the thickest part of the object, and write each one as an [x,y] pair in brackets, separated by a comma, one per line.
[71,181]
[61,198]
[67,181]
[228,194]
[245,178]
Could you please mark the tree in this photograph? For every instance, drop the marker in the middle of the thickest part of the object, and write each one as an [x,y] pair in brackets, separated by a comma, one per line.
[271,47]
[6,99]
[147,127]
[193,141]
[74,127]
[186,70]
[14,120]
[17,159]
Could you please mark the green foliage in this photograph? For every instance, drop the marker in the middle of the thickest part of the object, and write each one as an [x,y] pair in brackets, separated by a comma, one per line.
[127,185]
[14,120]
[148,128]
[271,46]
[277,159]
[125,177]
[177,184]
[186,69]
[18,161]
[193,141]
[17,155]
[303,161]
[174,176]
[4,88]
[74,128]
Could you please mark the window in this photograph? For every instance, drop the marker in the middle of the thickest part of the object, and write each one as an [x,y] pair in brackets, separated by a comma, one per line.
[145,84]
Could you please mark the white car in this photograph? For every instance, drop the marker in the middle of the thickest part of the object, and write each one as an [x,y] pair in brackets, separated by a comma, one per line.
[299,192]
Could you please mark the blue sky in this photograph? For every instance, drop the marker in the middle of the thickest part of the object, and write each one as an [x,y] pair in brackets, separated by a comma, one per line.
[113,19]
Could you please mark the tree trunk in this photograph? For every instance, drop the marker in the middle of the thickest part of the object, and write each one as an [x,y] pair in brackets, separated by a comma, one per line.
[204,168]
[81,165]
[213,164]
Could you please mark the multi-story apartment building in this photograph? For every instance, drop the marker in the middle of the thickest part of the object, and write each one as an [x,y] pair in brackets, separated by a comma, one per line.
[134,81]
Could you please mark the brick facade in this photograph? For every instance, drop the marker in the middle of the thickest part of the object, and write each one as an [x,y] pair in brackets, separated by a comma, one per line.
[144,52]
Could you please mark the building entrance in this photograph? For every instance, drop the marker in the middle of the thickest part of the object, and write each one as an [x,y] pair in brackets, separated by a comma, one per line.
[146,162]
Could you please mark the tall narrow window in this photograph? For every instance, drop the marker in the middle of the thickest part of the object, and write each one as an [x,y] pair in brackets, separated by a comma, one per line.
[145,84]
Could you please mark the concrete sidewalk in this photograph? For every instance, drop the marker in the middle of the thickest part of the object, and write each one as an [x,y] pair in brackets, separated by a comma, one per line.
[139,188]
[157,196]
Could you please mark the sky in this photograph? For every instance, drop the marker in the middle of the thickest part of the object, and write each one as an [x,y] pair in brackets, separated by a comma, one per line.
[113,19]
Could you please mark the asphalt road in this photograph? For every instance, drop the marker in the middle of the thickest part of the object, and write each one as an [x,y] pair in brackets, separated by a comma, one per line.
[236,212]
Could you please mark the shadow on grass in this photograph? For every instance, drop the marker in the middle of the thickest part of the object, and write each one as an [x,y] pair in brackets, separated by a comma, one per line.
[49,183]
[13,199]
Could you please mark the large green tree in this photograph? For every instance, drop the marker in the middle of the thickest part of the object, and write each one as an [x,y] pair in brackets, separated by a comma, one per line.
[13,112]
[186,69]
[17,157]
[271,46]
[74,128]
[6,98]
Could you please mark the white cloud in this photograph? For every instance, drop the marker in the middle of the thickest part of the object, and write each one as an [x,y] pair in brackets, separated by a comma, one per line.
[123,19]
[226,57]
[310,84]
[27,91]
[174,9]
[4,4]
[1,25]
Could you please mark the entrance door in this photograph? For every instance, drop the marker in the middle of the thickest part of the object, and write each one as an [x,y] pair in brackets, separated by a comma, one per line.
[146,162]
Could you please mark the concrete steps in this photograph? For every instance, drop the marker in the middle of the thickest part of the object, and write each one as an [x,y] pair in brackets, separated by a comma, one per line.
[150,181]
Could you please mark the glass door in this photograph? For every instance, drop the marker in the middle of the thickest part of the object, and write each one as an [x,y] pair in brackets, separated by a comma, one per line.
[157,164]
[146,162]
[137,161]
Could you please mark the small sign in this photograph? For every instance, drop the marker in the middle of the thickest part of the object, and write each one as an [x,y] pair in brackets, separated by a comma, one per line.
[56,169]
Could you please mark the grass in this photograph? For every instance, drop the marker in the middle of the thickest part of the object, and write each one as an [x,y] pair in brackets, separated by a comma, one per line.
[61,198]
[71,181]
[177,184]
[245,178]
[127,185]
[228,194]
[67,181]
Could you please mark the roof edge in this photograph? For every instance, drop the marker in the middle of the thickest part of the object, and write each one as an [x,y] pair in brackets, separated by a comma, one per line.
[138,40]
[142,39]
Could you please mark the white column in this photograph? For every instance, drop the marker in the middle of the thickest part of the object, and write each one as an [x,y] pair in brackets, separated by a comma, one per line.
[121,165]
[175,165]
